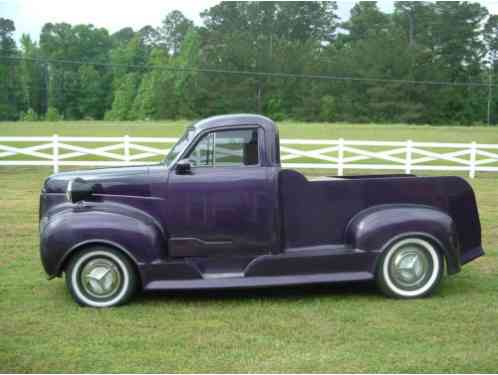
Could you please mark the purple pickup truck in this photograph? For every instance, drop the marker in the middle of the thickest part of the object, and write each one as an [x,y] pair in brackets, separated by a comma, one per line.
[220,212]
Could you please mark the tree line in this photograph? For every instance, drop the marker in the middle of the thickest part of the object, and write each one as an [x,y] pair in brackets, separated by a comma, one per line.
[426,62]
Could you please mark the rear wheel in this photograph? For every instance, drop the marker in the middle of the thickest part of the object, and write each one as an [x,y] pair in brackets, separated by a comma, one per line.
[101,277]
[410,268]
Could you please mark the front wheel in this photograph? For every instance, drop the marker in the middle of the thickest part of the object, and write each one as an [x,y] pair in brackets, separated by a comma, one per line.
[101,277]
[410,268]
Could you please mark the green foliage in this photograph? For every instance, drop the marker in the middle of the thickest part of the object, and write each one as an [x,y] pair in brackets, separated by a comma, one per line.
[32,75]
[93,89]
[274,109]
[173,30]
[366,21]
[29,115]
[10,94]
[75,90]
[328,108]
[156,97]
[186,81]
[53,115]
[144,105]
[170,71]
[124,98]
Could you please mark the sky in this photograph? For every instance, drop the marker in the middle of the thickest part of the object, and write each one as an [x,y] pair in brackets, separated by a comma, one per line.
[30,15]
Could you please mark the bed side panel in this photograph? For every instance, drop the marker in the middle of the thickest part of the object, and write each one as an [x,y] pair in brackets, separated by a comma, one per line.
[316,213]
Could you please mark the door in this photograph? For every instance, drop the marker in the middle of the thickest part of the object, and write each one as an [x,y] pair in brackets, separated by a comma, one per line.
[225,205]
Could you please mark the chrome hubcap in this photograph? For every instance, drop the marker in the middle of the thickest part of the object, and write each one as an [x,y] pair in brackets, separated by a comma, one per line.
[410,267]
[100,278]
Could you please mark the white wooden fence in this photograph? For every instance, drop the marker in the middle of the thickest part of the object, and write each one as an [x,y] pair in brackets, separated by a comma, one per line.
[405,156]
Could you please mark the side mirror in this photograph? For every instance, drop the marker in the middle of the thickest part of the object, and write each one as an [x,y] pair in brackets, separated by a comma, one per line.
[183,167]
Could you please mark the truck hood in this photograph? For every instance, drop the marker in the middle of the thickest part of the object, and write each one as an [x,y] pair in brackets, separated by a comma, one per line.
[121,180]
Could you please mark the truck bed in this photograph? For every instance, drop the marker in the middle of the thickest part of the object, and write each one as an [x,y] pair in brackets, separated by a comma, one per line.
[317,212]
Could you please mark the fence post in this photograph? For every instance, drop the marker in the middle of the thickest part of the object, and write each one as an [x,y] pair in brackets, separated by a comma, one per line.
[472,167]
[408,157]
[55,153]
[126,142]
[340,158]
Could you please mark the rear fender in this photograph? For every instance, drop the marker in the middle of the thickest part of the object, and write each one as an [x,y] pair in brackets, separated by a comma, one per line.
[377,227]
[134,233]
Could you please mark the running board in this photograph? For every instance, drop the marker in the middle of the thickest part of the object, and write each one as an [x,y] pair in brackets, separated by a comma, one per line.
[256,281]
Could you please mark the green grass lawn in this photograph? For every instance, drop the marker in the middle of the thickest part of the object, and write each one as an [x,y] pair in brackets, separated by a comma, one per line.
[345,328]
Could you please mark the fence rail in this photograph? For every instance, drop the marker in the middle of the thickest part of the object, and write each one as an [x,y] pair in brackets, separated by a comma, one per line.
[406,156]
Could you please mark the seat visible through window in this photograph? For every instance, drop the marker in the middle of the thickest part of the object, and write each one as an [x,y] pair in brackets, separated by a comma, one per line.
[251,150]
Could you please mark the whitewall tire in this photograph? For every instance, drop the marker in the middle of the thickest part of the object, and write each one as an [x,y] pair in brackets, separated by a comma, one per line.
[412,267]
[101,277]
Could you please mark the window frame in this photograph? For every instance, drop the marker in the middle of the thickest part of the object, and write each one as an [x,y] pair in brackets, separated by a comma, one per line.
[199,137]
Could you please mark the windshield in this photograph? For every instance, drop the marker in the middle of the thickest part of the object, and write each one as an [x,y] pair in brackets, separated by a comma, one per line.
[179,146]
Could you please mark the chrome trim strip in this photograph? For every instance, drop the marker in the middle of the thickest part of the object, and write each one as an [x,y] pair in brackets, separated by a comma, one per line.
[126,196]
[225,275]
[201,241]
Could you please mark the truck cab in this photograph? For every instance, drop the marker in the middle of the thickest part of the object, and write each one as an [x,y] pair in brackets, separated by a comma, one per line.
[223,186]
[220,212]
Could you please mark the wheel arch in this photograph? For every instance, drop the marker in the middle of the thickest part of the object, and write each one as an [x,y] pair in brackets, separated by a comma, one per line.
[79,247]
[378,227]
[140,239]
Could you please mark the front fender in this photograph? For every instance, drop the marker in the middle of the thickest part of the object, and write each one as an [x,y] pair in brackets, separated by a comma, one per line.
[375,228]
[132,232]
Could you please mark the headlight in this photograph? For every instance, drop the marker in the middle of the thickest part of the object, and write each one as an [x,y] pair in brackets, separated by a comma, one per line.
[69,191]
[79,189]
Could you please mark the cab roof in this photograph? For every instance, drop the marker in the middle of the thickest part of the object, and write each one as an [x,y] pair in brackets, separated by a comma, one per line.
[271,155]
[235,119]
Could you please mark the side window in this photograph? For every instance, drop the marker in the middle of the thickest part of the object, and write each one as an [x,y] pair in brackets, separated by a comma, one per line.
[203,153]
[226,148]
